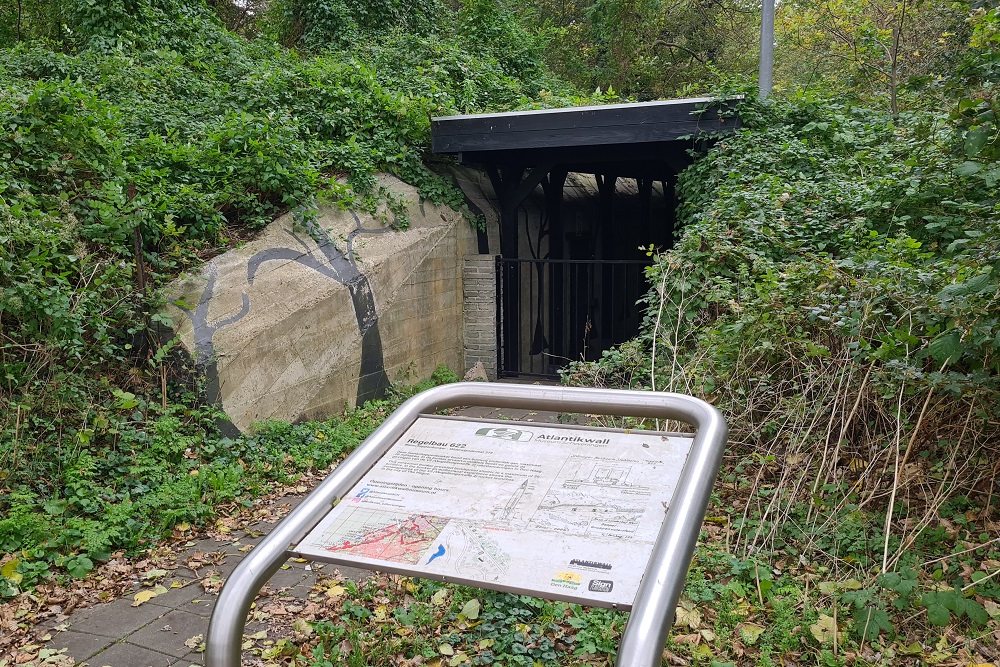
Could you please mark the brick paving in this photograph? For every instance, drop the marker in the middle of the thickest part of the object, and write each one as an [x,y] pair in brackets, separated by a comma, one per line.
[153,634]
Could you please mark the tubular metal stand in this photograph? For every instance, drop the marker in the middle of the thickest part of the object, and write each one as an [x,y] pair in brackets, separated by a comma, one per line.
[653,609]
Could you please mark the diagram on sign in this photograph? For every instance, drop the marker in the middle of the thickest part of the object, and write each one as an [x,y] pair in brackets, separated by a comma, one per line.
[398,538]
[593,497]
[510,509]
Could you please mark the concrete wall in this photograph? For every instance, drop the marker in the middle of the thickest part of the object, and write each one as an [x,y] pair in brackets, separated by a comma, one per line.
[308,319]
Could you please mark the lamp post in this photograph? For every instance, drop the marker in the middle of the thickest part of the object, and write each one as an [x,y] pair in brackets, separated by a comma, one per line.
[766,48]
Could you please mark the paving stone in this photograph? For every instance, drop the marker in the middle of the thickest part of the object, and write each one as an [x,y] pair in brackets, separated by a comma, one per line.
[201,605]
[287,578]
[79,645]
[196,659]
[130,655]
[170,631]
[114,619]
[178,597]
[476,412]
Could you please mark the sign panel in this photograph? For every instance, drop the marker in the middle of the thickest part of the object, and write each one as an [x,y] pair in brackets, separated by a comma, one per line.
[557,512]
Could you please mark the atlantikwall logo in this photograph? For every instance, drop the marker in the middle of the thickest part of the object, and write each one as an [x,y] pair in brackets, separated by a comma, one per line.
[506,434]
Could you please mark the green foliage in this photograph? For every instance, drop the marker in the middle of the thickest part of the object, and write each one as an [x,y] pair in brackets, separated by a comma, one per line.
[138,137]
[141,470]
[835,292]
[339,24]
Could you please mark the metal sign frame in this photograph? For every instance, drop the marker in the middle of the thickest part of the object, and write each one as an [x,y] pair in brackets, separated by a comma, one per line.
[653,609]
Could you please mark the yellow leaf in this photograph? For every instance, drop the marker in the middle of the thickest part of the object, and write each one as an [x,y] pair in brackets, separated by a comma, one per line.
[439,596]
[458,660]
[750,632]
[688,617]
[10,573]
[702,652]
[257,635]
[335,591]
[486,643]
[446,649]
[302,627]
[381,613]
[471,609]
[824,629]
[147,594]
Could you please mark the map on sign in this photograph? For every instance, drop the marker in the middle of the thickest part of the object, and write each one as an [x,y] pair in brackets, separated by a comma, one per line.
[559,512]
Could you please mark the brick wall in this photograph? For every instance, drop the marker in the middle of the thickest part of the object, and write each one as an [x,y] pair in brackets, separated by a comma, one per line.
[479,294]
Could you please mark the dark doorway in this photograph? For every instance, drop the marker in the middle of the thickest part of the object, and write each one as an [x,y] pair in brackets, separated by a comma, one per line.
[593,310]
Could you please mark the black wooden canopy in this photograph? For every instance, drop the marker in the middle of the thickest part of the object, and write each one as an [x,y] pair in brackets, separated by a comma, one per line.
[585,138]
[649,142]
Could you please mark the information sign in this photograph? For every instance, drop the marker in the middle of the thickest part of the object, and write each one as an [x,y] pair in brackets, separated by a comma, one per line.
[560,512]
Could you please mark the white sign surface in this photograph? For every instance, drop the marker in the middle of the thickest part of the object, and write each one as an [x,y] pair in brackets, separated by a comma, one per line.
[560,513]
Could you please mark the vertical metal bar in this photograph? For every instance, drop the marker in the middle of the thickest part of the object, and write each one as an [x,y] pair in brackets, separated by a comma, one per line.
[766,49]
[501,369]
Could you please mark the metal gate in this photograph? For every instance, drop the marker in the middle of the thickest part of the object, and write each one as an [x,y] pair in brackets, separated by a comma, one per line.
[553,311]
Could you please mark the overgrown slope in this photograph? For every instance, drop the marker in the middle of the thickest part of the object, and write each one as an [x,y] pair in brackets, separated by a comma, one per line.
[836,293]
[138,137]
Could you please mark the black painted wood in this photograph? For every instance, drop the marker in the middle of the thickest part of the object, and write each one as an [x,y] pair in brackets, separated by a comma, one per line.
[579,126]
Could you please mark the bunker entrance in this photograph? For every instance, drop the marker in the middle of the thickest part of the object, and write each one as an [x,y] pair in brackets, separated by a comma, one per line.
[581,193]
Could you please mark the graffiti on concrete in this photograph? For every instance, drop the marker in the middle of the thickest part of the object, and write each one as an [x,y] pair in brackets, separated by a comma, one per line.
[336,265]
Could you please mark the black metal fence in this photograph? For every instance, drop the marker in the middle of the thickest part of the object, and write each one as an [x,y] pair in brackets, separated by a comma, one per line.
[552,311]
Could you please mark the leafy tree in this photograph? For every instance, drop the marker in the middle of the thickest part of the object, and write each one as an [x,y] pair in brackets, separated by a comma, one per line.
[871,49]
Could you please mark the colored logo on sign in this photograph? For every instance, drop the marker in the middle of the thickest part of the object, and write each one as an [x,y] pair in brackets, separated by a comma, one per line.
[505,434]
[361,494]
[566,579]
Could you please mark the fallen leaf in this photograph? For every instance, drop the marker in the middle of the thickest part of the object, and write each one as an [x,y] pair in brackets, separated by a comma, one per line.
[194,642]
[471,609]
[825,629]
[153,574]
[750,632]
[302,627]
[439,597]
[10,573]
[147,594]
[446,649]
[688,615]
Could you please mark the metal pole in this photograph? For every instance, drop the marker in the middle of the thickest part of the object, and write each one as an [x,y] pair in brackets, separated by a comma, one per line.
[766,49]
[652,611]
